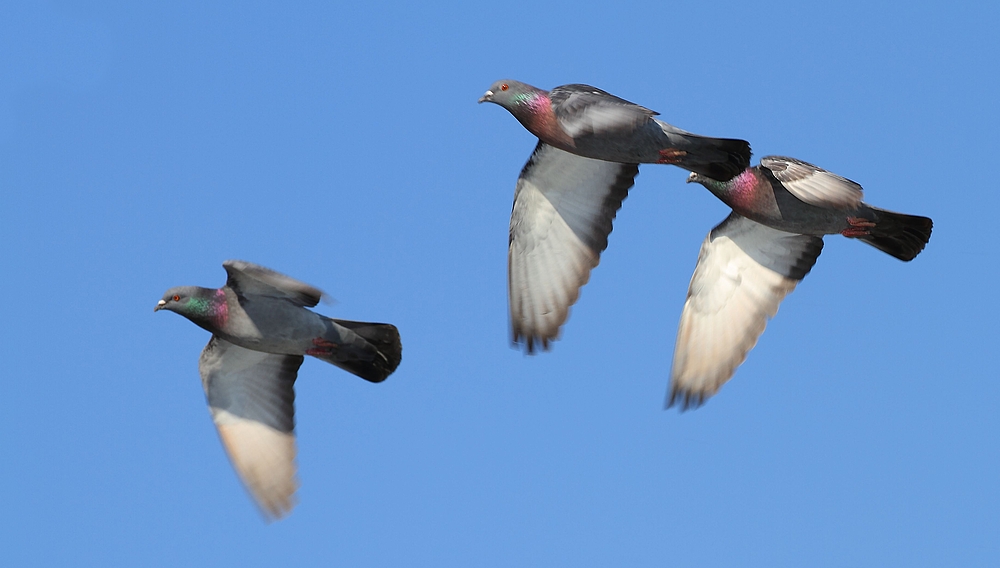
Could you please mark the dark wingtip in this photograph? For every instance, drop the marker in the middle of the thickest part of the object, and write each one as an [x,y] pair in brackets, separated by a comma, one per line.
[688,400]
[528,343]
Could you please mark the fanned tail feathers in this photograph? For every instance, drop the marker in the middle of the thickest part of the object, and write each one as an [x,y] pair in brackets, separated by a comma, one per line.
[900,235]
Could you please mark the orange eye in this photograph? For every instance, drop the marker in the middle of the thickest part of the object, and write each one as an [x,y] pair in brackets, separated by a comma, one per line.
[177,298]
[504,87]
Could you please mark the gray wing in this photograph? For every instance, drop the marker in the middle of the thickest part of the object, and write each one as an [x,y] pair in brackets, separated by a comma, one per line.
[744,271]
[252,399]
[813,184]
[583,110]
[563,208]
[249,278]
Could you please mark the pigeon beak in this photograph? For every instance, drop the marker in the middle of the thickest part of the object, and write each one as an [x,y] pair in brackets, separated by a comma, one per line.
[487,96]
[692,177]
[159,305]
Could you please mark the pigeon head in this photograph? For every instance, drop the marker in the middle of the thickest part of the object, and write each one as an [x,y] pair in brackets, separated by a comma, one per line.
[179,299]
[693,178]
[200,305]
[706,181]
[510,94]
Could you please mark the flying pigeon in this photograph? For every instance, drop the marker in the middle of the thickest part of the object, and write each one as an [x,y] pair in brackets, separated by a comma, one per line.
[590,145]
[592,123]
[753,259]
[261,330]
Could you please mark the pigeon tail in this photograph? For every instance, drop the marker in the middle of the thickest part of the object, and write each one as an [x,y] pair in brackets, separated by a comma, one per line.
[902,236]
[371,351]
[718,158]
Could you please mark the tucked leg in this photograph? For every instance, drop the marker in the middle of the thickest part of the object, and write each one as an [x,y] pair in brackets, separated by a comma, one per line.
[323,347]
[859,227]
[671,156]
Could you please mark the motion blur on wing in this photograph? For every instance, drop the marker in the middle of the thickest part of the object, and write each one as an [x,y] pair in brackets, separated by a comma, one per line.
[261,331]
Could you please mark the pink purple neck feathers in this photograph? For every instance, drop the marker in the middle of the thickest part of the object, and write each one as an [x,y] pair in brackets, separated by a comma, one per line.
[220,311]
[535,113]
[742,189]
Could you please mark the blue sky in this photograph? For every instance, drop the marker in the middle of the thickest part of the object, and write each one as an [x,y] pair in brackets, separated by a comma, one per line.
[142,145]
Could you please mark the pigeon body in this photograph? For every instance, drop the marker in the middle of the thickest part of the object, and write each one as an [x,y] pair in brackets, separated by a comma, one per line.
[797,197]
[590,145]
[593,123]
[752,260]
[258,323]
[261,331]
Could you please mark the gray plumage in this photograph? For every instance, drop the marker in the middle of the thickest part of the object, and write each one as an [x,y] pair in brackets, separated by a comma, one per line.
[593,123]
[590,145]
[563,209]
[744,271]
[795,196]
[261,331]
[753,259]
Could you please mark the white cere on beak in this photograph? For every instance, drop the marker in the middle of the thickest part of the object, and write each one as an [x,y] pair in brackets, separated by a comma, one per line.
[486,96]
[160,304]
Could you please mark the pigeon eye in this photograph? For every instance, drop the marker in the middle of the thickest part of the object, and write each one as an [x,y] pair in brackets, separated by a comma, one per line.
[504,87]
[177,298]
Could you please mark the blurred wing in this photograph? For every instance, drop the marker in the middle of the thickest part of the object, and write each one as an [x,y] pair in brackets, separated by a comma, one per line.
[563,208]
[249,278]
[252,398]
[744,271]
[814,185]
[583,110]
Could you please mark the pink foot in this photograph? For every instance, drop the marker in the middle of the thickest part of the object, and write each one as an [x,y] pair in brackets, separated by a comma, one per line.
[859,227]
[671,156]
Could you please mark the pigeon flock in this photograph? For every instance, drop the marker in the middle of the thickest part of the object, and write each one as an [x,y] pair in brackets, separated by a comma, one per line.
[590,145]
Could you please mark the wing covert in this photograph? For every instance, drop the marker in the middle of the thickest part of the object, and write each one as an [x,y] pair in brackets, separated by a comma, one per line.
[249,278]
[813,184]
[583,110]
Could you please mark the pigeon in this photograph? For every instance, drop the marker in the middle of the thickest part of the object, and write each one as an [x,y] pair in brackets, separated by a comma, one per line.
[568,193]
[261,331]
[759,253]
[592,123]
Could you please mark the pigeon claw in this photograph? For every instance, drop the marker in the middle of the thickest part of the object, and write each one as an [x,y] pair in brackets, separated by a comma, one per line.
[858,227]
[671,156]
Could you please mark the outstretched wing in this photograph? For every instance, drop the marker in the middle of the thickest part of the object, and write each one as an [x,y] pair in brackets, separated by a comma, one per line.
[249,278]
[813,184]
[744,271]
[563,208]
[252,399]
[583,110]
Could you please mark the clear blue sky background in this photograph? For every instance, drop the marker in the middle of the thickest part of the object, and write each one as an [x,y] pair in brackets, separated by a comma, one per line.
[140,146]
